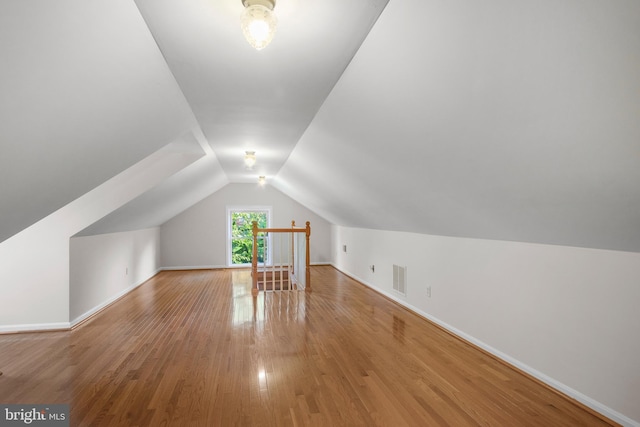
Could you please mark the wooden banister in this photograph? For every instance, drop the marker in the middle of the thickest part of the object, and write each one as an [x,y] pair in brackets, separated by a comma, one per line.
[307,287]
[293,266]
[254,258]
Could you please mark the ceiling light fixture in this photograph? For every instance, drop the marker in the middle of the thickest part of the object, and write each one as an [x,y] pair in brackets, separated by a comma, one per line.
[258,22]
[262,180]
[249,159]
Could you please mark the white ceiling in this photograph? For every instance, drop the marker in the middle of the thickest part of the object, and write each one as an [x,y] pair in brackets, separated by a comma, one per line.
[499,120]
[252,100]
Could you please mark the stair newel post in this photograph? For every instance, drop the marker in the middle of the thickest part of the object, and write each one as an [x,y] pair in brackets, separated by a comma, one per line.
[254,260]
[293,255]
[308,261]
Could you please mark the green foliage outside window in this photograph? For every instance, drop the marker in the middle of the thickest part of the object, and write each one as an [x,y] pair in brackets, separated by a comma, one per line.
[242,236]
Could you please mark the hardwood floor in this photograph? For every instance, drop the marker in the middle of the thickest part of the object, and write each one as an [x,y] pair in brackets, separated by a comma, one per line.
[195,348]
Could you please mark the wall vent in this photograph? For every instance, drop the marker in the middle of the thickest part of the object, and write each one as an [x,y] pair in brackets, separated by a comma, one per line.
[400,279]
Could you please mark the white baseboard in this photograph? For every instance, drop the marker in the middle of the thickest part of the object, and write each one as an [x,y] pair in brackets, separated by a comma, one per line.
[34,327]
[216,267]
[563,388]
[110,301]
[198,267]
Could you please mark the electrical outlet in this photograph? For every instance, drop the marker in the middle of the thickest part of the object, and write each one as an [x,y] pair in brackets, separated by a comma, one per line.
[373,268]
[344,248]
[429,291]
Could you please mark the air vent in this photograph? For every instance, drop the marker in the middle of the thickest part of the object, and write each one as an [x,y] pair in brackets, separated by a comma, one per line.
[400,279]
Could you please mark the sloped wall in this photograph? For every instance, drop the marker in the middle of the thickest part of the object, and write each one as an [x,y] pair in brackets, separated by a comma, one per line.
[567,315]
[75,109]
[197,238]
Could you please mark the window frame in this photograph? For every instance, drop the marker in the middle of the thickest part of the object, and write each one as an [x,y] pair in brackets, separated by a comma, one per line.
[229,245]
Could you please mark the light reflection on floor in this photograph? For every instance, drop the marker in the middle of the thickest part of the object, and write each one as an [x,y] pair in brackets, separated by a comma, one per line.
[286,306]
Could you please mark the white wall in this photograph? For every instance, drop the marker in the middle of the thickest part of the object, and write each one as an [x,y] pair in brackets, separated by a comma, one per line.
[34,264]
[106,266]
[567,315]
[198,236]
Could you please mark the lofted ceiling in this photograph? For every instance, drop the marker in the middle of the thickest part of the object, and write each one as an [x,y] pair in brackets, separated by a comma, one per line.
[262,101]
[497,120]
[502,120]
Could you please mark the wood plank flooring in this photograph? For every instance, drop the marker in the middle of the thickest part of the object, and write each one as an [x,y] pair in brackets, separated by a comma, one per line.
[196,349]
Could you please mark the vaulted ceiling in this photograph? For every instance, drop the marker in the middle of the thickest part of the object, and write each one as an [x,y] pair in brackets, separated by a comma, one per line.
[498,120]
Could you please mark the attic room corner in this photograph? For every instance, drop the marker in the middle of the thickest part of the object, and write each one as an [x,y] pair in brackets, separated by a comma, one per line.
[566,315]
[35,274]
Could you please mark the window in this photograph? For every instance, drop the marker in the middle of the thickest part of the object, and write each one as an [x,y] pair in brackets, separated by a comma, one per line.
[240,235]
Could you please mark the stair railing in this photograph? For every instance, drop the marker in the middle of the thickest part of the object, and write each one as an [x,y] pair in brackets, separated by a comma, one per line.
[273,275]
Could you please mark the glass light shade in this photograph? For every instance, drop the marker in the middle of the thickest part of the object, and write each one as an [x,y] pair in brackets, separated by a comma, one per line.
[258,25]
[249,159]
